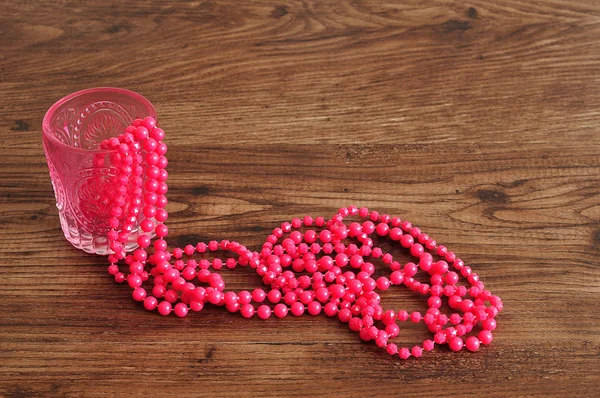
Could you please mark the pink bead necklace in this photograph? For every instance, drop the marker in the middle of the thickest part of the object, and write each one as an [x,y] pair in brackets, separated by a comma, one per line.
[312,271]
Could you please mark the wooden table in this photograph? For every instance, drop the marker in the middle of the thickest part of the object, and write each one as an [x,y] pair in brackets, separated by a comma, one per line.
[477,121]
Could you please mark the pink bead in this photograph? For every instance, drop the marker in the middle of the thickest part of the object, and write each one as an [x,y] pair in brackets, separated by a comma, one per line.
[404,353]
[234,307]
[368,227]
[467,305]
[322,294]
[310,236]
[410,269]
[440,338]
[402,315]
[345,315]
[442,250]
[215,296]
[417,250]
[426,262]
[196,305]
[428,345]
[331,309]
[161,202]
[380,341]
[434,301]
[290,298]
[367,267]
[382,229]
[264,312]
[134,281]
[364,334]
[369,284]
[392,349]
[139,294]
[492,311]
[274,296]
[297,309]
[149,122]
[486,337]
[325,236]
[469,317]
[280,310]
[373,332]
[181,310]
[247,310]
[416,351]
[306,297]
[229,298]
[314,308]
[171,296]
[489,324]
[456,344]
[472,343]
[160,245]
[440,267]
[141,133]
[451,278]
[150,303]
[244,297]
[455,301]
[341,259]
[455,319]
[258,295]
[158,134]
[113,269]
[407,241]
[392,330]
[356,261]
[159,290]
[395,234]
[397,277]
[383,283]
[164,308]
[415,317]
[354,229]
[374,216]
[355,324]
[337,291]
[189,273]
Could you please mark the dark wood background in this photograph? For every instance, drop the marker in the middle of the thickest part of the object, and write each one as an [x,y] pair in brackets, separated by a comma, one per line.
[479,121]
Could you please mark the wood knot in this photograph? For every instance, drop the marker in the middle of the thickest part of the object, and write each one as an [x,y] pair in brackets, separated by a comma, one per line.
[472,12]
[492,196]
[208,356]
[200,190]
[279,12]
[120,27]
[596,239]
[455,25]
[21,125]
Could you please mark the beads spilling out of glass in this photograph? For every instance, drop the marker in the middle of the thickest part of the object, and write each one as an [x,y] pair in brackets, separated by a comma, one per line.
[312,271]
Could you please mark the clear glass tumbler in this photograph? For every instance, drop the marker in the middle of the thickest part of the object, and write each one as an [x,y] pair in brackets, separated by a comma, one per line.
[73,129]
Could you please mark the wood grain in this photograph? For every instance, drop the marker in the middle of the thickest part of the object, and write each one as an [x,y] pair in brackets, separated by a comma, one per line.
[477,121]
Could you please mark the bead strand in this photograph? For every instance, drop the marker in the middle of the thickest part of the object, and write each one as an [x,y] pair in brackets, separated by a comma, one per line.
[313,271]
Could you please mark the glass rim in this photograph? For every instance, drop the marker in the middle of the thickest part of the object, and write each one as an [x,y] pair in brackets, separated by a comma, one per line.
[46,121]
